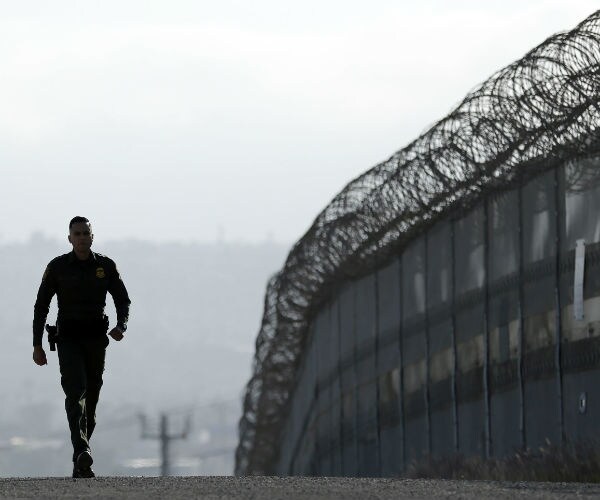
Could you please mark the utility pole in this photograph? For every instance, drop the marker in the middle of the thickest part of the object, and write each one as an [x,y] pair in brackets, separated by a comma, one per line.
[165,439]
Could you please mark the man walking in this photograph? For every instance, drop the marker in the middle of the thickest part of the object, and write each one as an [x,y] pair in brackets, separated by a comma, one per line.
[80,280]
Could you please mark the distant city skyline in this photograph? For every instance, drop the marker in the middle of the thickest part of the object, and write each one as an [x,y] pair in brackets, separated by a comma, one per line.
[236,121]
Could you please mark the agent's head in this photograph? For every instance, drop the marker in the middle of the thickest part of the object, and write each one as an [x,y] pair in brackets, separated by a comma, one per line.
[80,234]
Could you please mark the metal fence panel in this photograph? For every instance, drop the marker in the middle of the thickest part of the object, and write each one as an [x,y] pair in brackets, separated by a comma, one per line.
[322,341]
[311,452]
[439,316]
[366,417]
[503,227]
[442,434]
[470,275]
[301,406]
[413,280]
[439,266]
[503,238]
[503,322]
[505,399]
[539,228]
[506,434]
[439,296]
[503,311]
[470,390]
[581,182]
[336,390]
[304,424]
[582,201]
[291,436]
[366,328]
[391,455]
[581,352]
[439,334]
[324,371]
[416,443]
[542,397]
[388,293]
[391,443]
[348,380]
[376,388]
[470,268]
[413,303]
[367,430]
[414,350]
[471,433]
[542,423]
[390,423]
[349,443]
[347,328]
[441,362]
[414,409]
[581,403]
[539,244]
[284,464]
[469,252]
[307,464]
[336,426]
[542,403]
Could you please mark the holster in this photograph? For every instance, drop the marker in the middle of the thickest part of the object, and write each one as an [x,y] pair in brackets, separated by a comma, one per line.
[52,336]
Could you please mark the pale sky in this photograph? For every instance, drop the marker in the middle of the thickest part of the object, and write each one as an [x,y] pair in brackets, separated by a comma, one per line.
[191,120]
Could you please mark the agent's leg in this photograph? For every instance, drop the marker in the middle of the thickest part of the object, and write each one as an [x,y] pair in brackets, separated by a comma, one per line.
[95,353]
[73,381]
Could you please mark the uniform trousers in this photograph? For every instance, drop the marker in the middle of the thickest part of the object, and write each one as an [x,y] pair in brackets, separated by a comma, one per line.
[81,361]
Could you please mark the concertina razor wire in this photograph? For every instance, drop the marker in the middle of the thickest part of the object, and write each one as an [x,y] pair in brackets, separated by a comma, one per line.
[538,111]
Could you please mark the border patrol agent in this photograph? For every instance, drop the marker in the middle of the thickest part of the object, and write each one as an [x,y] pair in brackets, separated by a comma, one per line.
[80,280]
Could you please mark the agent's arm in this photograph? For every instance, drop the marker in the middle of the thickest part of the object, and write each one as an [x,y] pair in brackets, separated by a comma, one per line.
[117,289]
[40,313]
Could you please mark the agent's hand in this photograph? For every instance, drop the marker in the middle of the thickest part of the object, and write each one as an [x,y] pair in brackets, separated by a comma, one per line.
[116,333]
[39,355]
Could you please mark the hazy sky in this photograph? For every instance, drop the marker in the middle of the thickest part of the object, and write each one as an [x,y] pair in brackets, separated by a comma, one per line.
[234,119]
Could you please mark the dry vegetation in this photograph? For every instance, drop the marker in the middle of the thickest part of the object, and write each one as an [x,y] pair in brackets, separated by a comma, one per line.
[571,463]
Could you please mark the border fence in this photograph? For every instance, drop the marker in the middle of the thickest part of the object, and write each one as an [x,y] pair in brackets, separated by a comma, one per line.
[447,300]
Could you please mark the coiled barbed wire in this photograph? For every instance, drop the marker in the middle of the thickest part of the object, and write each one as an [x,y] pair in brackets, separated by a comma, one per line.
[531,115]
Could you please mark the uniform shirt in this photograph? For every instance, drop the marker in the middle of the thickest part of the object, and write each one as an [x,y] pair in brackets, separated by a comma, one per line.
[80,287]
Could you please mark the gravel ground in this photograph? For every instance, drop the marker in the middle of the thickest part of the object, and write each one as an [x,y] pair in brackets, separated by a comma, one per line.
[286,488]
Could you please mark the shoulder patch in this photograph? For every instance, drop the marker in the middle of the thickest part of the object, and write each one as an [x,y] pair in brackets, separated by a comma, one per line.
[45,275]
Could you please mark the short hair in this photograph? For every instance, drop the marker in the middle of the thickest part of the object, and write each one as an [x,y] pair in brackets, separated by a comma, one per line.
[77,220]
